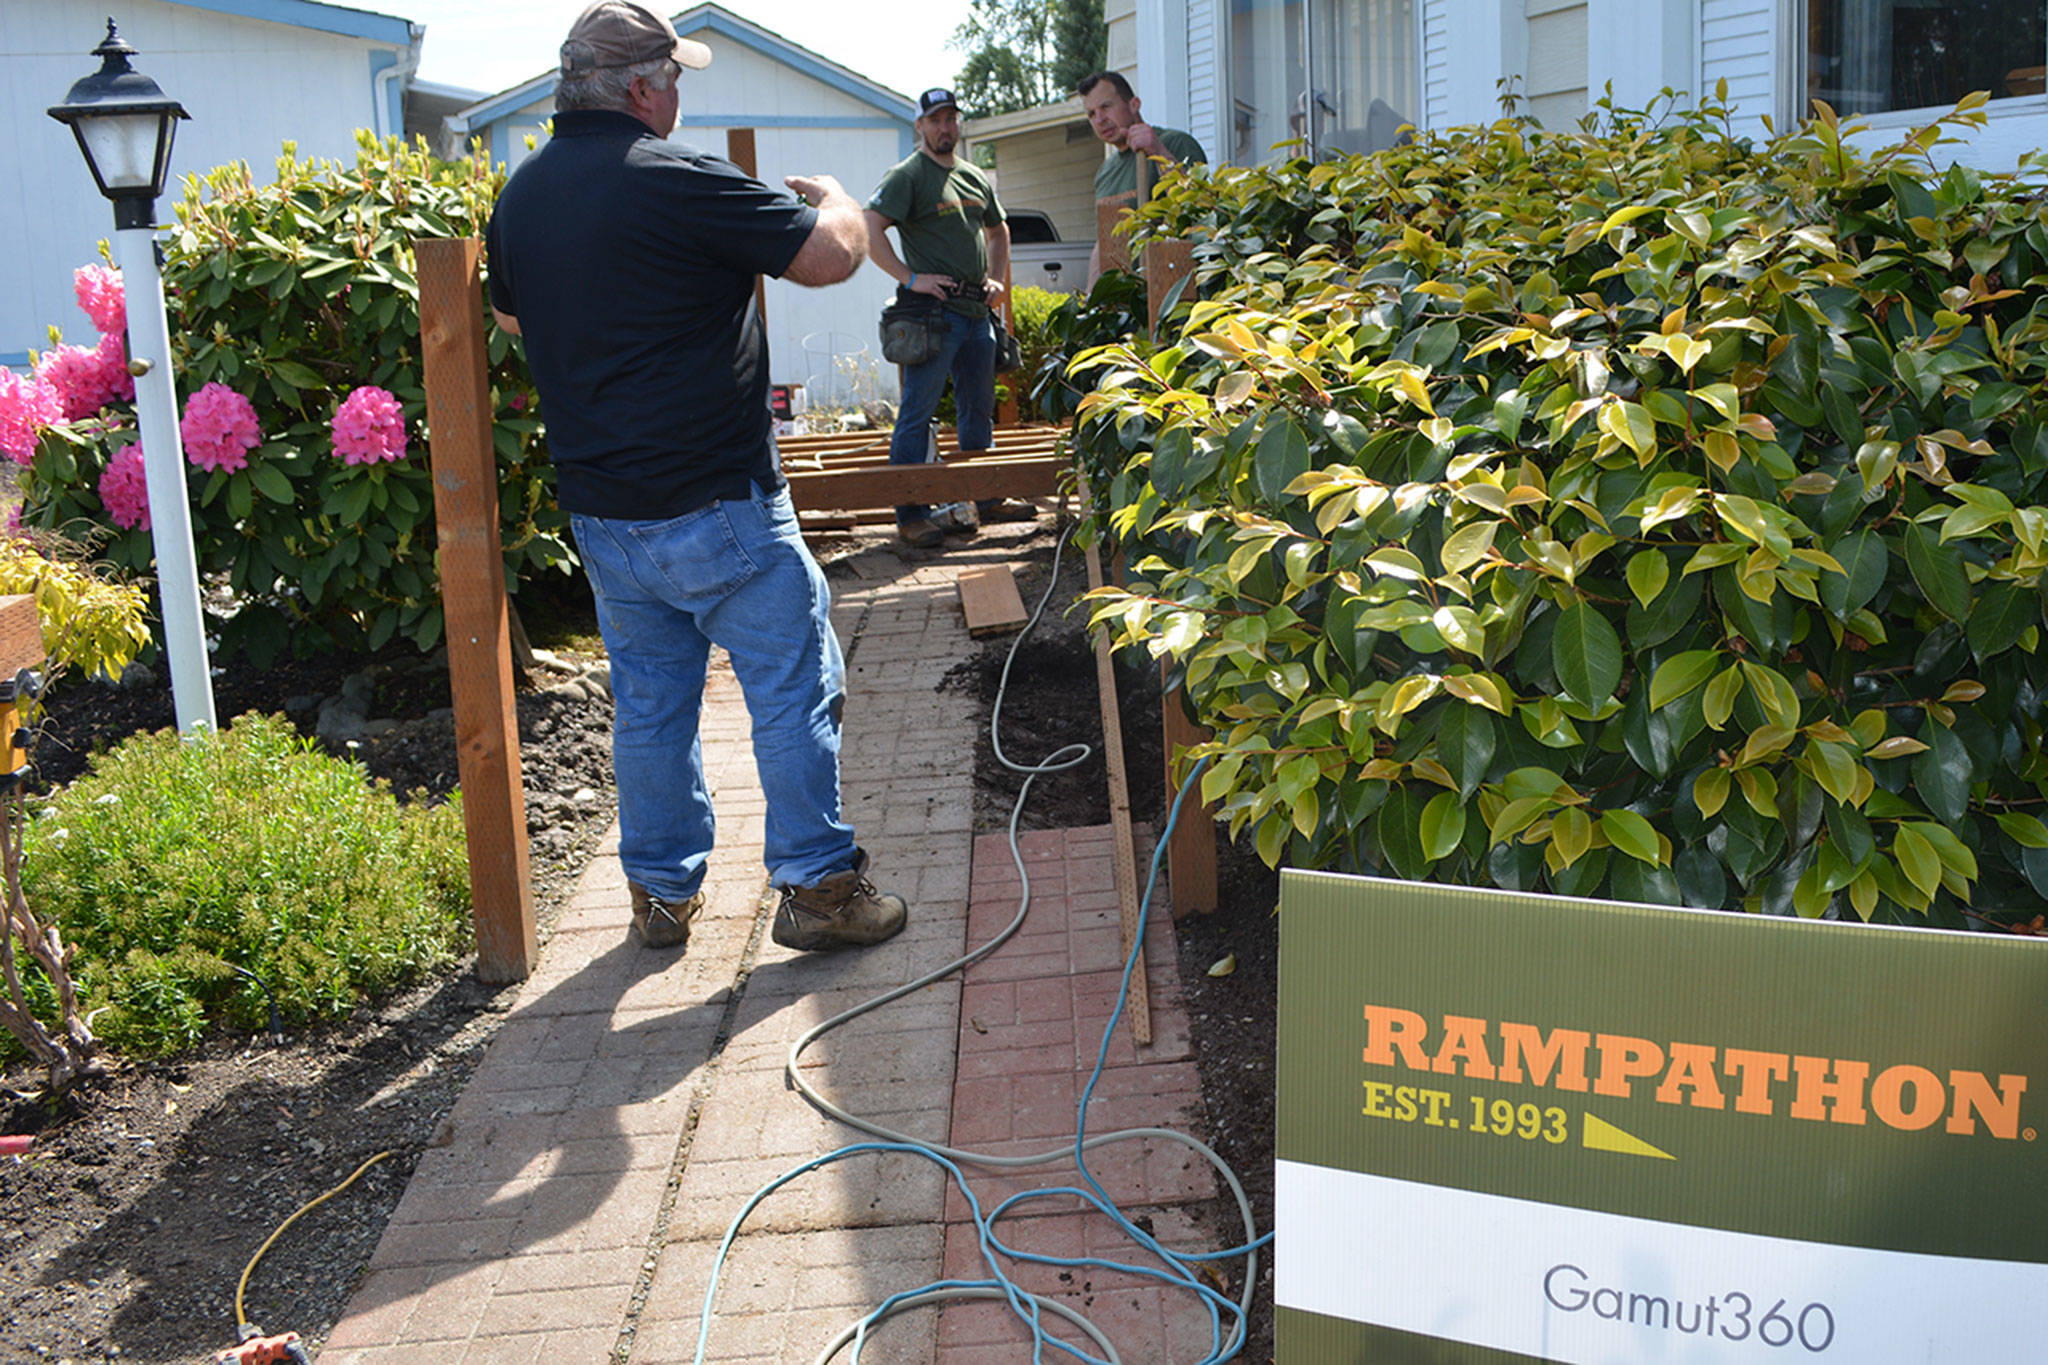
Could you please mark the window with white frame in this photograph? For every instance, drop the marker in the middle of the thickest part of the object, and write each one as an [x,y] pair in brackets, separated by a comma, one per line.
[1339,75]
[1874,56]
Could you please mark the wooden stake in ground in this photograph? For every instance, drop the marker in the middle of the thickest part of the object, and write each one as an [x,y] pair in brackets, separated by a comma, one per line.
[1191,849]
[1123,853]
[473,605]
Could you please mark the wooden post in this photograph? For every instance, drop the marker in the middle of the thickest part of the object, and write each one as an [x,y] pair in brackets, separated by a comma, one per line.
[1191,850]
[1006,411]
[1123,848]
[1115,251]
[473,605]
[739,150]
[1166,265]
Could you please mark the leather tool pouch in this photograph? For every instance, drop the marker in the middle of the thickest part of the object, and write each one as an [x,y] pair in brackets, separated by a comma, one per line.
[911,329]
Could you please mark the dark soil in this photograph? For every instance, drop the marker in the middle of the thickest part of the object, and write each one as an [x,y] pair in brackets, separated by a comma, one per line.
[1051,700]
[124,1231]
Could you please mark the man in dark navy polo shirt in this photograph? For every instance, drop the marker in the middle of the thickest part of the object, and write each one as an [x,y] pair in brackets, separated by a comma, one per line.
[628,262]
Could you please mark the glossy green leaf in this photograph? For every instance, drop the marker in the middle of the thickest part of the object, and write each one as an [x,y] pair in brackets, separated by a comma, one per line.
[1917,859]
[1648,571]
[2003,613]
[1632,834]
[1719,702]
[1571,833]
[1864,560]
[1939,573]
[1443,825]
[1941,773]
[1282,457]
[1466,737]
[2025,830]
[1586,652]
[1680,674]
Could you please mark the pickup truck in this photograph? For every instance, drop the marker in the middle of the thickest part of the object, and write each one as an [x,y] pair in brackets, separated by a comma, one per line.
[1038,256]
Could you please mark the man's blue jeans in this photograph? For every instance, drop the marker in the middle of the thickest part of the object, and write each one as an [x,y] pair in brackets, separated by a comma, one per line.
[968,355]
[735,574]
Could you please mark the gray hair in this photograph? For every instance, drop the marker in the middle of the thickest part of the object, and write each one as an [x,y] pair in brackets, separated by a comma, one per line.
[606,87]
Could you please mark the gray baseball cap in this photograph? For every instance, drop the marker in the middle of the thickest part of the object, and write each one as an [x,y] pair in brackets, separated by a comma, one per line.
[615,33]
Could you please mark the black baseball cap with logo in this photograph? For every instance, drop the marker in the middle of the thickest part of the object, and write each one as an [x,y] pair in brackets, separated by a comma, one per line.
[935,99]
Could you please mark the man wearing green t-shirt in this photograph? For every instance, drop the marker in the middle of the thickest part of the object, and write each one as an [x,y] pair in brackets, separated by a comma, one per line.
[956,252]
[1114,115]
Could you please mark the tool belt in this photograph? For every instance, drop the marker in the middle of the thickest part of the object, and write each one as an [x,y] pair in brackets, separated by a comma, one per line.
[912,328]
[913,325]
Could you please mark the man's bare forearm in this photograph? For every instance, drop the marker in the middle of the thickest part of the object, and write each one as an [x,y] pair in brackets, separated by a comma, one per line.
[839,239]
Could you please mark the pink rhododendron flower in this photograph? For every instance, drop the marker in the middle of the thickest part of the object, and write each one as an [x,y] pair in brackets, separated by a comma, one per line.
[219,429]
[84,380]
[27,404]
[369,426]
[124,490]
[113,354]
[103,297]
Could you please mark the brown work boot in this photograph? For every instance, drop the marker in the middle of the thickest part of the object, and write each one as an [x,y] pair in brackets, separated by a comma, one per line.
[659,923]
[842,911]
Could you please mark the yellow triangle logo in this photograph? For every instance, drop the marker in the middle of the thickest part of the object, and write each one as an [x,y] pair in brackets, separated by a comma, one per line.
[1602,1136]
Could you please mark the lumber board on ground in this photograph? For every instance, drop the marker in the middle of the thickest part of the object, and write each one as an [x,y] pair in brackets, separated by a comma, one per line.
[1123,852]
[887,485]
[1191,849]
[989,600]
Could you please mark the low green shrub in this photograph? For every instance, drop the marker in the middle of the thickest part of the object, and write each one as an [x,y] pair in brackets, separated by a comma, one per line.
[1633,511]
[177,861]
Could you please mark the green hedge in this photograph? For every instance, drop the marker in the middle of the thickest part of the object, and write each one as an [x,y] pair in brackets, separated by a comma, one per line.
[1634,511]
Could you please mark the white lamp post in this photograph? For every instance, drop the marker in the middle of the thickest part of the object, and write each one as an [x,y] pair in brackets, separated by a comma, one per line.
[124,124]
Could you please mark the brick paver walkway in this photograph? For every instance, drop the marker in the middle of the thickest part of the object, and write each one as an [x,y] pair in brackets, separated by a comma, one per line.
[634,1100]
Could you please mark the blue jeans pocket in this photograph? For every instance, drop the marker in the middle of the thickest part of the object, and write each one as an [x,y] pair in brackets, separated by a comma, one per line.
[696,554]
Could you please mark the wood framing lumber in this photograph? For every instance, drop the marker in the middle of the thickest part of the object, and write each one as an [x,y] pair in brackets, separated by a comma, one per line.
[1123,853]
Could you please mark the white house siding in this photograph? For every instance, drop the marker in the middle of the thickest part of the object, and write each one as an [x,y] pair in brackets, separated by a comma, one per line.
[1206,78]
[1120,17]
[1162,82]
[1436,64]
[1639,48]
[249,85]
[1556,84]
[1467,47]
[1736,42]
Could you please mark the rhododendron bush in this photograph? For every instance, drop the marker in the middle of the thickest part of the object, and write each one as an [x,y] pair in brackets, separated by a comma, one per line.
[295,341]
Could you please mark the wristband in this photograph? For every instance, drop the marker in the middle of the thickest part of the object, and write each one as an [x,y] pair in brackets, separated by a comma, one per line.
[913,281]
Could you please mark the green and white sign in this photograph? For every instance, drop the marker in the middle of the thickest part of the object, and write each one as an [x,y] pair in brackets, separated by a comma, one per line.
[1521,1128]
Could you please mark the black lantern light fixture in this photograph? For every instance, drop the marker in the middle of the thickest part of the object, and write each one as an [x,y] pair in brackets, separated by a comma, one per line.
[124,124]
